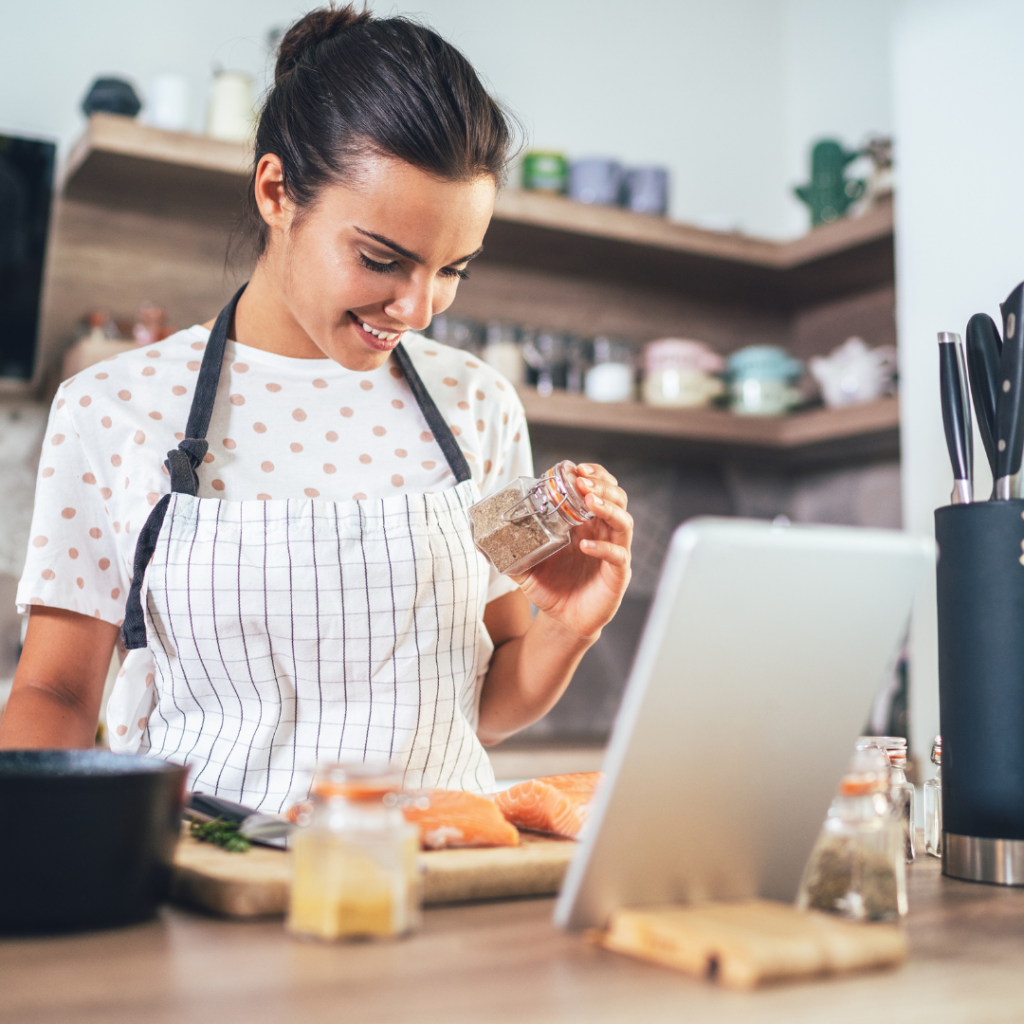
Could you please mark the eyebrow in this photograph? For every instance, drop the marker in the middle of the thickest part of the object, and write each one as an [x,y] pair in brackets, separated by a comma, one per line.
[411,255]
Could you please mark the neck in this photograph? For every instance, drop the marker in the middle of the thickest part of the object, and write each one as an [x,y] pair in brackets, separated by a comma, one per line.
[264,320]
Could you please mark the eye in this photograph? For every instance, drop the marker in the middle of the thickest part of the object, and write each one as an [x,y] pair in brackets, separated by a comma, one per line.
[462,275]
[378,268]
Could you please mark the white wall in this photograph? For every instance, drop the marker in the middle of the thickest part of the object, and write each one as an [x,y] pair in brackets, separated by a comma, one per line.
[728,94]
[958,96]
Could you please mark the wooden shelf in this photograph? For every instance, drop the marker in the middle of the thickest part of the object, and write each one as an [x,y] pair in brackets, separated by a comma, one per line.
[126,165]
[119,162]
[851,434]
[148,213]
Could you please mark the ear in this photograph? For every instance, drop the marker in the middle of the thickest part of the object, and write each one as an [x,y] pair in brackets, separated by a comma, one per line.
[275,207]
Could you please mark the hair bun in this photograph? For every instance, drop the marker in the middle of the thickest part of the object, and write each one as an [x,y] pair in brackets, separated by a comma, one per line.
[311,30]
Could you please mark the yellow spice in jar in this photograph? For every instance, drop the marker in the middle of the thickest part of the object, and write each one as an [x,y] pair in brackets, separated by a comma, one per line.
[342,889]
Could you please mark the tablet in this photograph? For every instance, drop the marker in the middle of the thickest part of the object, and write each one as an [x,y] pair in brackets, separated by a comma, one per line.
[763,649]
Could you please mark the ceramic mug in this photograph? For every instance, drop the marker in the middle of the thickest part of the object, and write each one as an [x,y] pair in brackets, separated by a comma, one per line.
[756,396]
[680,389]
[595,181]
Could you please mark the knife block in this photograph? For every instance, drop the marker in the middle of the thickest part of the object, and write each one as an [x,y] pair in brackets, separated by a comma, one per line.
[980,591]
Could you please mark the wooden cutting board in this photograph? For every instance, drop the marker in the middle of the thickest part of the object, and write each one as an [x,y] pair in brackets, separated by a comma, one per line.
[748,943]
[255,883]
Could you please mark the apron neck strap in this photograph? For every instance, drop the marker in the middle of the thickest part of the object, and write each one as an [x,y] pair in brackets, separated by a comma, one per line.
[183,461]
[442,432]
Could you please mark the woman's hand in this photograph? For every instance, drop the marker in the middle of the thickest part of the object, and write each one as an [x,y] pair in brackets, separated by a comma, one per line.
[581,587]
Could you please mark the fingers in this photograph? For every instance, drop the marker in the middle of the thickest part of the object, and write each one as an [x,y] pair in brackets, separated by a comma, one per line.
[593,470]
[611,513]
[604,486]
[606,551]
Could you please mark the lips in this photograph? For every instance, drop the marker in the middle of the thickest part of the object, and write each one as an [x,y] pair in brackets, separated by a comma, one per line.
[384,341]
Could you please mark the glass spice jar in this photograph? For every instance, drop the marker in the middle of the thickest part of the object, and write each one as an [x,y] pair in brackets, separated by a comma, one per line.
[354,864]
[933,804]
[529,520]
[901,792]
[857,867]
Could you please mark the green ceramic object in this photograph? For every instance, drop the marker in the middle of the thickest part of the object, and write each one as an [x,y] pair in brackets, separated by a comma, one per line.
[829,192]
[545,172]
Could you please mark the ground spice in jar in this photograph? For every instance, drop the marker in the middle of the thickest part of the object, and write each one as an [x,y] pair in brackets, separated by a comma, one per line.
[502,541]
[845,873]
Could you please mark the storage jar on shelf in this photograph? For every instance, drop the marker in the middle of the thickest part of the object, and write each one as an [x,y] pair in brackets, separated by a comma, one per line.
[610,379]
[761,379]
[678,373]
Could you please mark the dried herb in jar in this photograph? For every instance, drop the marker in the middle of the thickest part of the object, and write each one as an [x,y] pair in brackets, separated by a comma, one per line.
[503,541]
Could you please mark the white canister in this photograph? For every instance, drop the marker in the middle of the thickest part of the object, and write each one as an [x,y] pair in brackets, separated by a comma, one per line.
[167,103]
[230,114]
[609,382]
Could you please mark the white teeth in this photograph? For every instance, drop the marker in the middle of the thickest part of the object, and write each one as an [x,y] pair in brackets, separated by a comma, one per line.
[383,335]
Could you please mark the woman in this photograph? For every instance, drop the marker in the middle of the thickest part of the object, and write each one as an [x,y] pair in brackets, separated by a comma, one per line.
[304,558]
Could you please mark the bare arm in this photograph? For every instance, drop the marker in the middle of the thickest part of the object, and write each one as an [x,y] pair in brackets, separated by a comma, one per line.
[55,700]
[577,592]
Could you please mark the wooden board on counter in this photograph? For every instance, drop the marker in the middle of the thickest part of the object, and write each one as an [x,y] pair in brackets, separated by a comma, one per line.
[255,884]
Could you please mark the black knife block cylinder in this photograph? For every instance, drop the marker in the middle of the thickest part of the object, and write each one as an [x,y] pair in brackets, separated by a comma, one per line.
[980,590]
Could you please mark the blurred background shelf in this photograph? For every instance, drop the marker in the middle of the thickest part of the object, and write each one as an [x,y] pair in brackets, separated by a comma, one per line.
[120,163]
[149,214]
[855,433]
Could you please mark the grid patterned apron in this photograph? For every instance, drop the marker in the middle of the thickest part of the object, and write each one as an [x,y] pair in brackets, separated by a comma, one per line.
[291,632]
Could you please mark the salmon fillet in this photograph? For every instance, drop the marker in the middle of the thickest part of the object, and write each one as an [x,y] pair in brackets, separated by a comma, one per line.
[457,818]
[556,804]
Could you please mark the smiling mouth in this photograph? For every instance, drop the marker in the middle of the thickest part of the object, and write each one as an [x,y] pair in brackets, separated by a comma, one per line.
[378,333]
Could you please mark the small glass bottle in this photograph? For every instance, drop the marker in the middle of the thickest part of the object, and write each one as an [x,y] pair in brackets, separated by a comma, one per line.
[354,865]
[933,804]
[901,792]
[857,867]
[529,520]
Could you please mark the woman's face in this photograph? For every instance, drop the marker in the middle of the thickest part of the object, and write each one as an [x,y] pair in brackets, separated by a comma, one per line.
[382,253]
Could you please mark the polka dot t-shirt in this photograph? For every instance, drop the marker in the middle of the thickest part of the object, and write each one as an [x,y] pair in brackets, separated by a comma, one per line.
[281,428]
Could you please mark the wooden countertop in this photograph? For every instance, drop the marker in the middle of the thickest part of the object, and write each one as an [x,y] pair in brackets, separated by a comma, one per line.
[500,963]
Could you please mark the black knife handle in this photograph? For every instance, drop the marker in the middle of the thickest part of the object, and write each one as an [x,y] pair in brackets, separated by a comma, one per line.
[984,349]
[1010,395]
[215,807]
[956,414]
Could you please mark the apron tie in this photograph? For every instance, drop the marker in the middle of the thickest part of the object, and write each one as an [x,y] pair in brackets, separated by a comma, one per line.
[133,629]
[182,463]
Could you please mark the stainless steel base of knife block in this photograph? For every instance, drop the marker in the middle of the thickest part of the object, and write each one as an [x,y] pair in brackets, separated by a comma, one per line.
[974,859]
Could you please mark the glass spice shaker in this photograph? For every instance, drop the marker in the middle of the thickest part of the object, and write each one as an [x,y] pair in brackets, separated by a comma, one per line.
[901,792]
[354,864]
[857,867]
[529,520]
[933,804]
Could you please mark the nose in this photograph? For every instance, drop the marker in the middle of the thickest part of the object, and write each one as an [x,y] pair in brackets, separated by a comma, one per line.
[413,305]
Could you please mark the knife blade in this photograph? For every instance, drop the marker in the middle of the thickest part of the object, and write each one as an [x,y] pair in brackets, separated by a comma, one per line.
[956,416]
[984,350]
[1010,396]
[263,829]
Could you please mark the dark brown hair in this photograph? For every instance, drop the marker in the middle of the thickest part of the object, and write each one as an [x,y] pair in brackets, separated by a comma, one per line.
[347,83]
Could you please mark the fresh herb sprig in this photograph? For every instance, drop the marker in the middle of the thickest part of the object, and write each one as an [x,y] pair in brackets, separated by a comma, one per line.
[221,833]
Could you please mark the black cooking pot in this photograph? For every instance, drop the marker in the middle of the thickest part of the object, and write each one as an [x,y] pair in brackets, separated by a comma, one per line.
[86,838]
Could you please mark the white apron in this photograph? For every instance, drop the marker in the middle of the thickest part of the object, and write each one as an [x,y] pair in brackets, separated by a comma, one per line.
[294,632]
